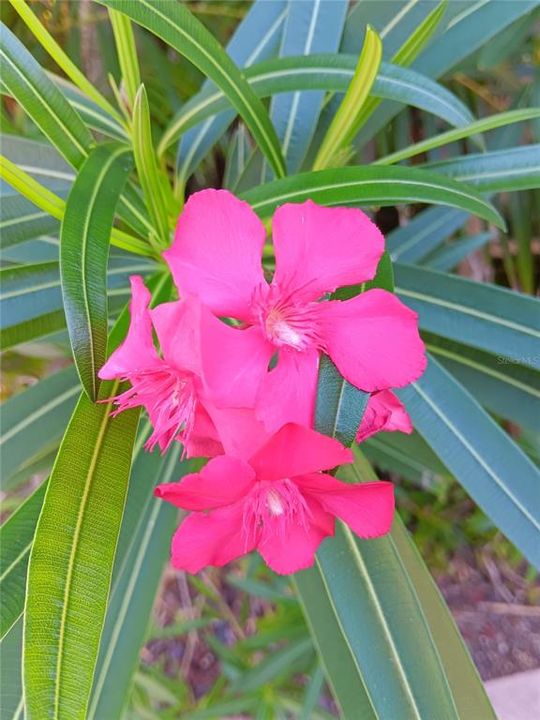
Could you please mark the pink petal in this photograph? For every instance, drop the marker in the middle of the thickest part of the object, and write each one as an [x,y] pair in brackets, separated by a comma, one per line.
[287,393]
[178,327]
[222,481]
[239,430]
[319,249]
[234,362]
[373,339]
[203,440]
[137,352]
[384,412]
[216,254]
[212,539]
[367,508]
[296,450]
[294,549]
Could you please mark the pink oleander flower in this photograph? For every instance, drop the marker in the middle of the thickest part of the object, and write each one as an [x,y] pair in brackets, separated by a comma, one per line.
[278,502]
[384,412]
[372,338]
[168,386]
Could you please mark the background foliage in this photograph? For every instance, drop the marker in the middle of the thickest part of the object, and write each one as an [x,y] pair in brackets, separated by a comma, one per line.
[112,112]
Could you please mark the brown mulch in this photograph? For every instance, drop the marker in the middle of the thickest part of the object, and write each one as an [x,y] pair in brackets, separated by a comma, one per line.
[497,612]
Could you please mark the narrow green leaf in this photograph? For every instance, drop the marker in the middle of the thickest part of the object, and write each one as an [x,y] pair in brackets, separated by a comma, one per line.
[375,664]
[55,206]
[21,220]
[153,183]
[61,59]
[34,420]
[340,406]
[346,121]
[424,233]
[256,37]
[84,251]
[368,185]
[37,327]
[449,256]
[30,290]
[40,160]
[319,72]
[127,53]
[42,100]
[72,558]
[422,34]
[136,579]
[10,674]
[92,114]
[312,27]
[176,26]
[408,52]
[16,537]
[483,125]
[503,483]
[509,389]
[485,316]
[503,170]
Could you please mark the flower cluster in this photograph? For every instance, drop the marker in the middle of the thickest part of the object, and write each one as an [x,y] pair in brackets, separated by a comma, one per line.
[235,378]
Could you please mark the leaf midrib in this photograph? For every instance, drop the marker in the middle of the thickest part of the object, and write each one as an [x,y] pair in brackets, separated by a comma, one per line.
[74,546]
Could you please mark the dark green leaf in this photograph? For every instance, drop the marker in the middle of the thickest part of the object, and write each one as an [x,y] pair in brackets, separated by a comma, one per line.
[485,316]
[493,470]
[84,250]
[16,537]
[174,24]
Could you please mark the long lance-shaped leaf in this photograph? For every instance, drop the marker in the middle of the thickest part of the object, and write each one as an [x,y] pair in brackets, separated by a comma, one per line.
[60,57]
[91,113]
[312,27]
[45,104]
[449,256]
[424,233]
[255,39]
[42,99]
[372,664]
[505,387]
[491,468]
[370,186]
[30,290]
[16,537]
[174,24]
[503,170]
[320,72]
[347,119]
[127,53]
[39,160]
[10,677]
[469,26]
[21,220]
[489,123]
[55,206]
[135,583]
[407,53]
[154,184]
[484,316]
[84,251]
[370,645]
[72,556]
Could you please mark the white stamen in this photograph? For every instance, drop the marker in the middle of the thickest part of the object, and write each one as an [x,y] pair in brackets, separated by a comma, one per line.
[274,503]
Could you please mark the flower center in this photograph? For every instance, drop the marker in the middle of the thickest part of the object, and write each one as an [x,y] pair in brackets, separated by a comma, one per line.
[286,321]
[170,399]
[273,507]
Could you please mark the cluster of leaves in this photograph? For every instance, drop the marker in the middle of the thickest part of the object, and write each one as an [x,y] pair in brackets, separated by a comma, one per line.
[83,170]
